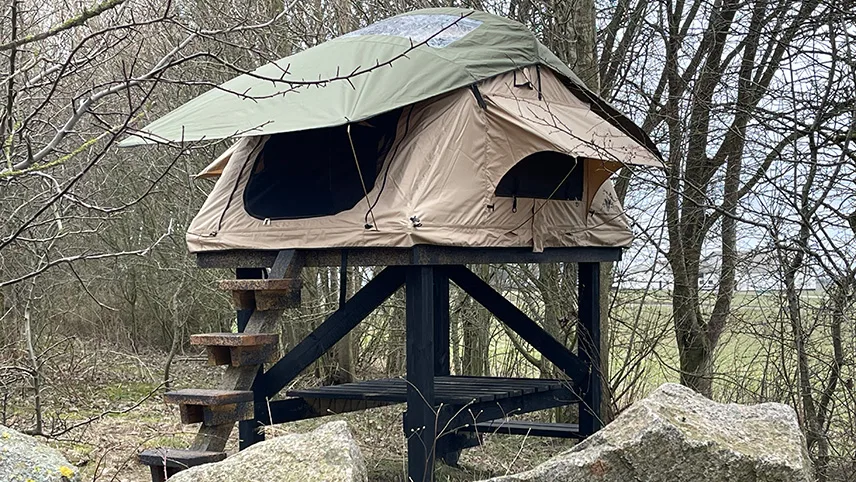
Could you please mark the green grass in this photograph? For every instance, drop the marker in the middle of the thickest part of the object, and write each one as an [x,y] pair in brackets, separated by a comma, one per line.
[128,391]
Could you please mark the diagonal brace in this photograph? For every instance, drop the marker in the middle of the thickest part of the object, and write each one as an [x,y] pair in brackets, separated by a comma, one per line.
[336,326]
[520,323]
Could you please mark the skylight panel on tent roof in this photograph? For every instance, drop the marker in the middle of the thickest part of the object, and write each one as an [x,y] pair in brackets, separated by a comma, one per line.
[419,28]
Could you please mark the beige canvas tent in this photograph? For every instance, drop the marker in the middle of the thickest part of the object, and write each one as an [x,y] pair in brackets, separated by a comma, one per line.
[516,154]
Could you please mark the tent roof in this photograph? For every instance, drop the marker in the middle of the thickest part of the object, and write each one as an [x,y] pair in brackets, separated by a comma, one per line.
[390,64]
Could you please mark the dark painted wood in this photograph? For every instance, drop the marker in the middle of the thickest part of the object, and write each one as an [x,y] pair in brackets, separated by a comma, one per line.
[448,390]
[454,417]
[420,429]
[442,328]
[450,445]
[248,430]
[161,474]
[522,427]
[331,330]
[293,409]
[519,322]
[244,314]
[288,263]
[588,336]
[428,255]
[178,458]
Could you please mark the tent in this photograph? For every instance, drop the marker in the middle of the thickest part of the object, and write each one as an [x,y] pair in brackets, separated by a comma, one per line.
[441,126]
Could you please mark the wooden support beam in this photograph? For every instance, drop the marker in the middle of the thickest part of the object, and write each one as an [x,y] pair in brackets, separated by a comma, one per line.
[423,255]
[442,328]
[519,322]
[331,330]
[452,417]
[523,427]
[448,448]
[420,425]
[293,409]
[288,264]
[588,336]
[249,432]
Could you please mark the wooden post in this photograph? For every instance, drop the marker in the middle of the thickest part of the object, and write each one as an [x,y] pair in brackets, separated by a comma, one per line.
[419,426]
[249,431]
[588,336]
[442,329]
[449,447]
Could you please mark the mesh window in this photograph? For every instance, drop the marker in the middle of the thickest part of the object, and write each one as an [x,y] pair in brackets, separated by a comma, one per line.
[313,173]
[439,30]
[544,175]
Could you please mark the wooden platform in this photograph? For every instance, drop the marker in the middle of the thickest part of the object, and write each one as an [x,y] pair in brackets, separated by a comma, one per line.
[448,390]
[443,412]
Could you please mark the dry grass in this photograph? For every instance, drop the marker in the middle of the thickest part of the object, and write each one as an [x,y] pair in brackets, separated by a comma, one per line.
[105,449]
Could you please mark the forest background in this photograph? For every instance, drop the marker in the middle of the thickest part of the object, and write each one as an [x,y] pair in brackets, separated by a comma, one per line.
[741,282]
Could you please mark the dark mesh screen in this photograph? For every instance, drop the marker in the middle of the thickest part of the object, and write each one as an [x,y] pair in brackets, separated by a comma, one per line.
[313,173]
[541,174]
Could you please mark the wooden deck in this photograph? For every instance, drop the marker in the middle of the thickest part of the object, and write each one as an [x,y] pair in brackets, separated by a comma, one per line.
[448,390]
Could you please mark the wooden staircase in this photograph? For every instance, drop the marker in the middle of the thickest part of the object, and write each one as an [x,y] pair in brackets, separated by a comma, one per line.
[260,303]
[212,407]
[164,463]
[238,349]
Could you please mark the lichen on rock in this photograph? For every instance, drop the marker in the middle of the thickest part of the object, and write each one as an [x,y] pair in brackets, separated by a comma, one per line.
[328,453]
[25,459]
[677,435]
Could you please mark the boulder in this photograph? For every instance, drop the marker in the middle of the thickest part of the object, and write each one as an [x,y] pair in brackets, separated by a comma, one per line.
[328,453]
[677,435]
[24,458]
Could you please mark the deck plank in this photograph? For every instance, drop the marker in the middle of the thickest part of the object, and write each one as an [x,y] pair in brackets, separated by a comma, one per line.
[449,390]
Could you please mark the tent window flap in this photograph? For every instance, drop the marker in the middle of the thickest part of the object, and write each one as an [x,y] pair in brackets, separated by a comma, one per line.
[313,173]
[544,175]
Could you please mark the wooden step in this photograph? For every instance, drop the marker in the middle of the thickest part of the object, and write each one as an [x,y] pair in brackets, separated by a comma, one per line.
[212,407]
[165,462]
[239,349]
[263,294]
[522,427]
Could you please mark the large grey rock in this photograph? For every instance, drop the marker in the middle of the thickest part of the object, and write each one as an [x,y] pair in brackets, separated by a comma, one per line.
[327,454]
[24,458]
[677,435]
